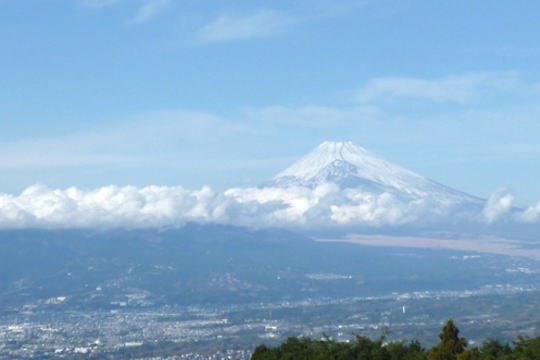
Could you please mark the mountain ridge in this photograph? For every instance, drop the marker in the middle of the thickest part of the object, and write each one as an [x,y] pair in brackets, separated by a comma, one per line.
[351,166]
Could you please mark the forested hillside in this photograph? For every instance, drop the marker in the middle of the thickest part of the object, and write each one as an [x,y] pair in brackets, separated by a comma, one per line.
[450,347]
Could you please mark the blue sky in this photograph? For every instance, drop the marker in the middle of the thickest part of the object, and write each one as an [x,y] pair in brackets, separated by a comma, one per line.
[170,92]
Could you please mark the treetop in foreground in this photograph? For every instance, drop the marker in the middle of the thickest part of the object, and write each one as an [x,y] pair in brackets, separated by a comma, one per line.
[450,347]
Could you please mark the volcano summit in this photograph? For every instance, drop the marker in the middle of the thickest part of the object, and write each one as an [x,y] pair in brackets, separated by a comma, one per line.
[351,166]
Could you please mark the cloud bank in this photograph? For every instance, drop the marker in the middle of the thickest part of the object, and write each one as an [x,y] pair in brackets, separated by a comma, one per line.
[164,206]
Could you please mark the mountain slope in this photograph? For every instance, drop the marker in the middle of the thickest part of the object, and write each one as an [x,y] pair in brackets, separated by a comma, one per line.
[351,166]
[220,265]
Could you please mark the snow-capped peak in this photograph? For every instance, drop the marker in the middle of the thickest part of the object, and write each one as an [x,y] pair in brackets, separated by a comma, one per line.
[351,166]
[361,163]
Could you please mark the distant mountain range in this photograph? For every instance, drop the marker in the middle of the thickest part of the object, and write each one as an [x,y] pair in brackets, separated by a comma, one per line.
[56,270]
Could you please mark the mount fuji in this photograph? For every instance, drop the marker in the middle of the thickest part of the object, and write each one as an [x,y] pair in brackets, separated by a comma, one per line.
[353,167]
[337,184]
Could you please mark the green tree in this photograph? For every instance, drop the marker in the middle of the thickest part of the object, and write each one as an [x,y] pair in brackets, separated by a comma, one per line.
[262,352]
[527,348]
[472,354]
[402,351]
[450,345]
[494,350]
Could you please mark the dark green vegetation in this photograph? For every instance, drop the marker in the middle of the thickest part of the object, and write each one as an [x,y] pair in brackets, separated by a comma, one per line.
[224,265]
[450,347]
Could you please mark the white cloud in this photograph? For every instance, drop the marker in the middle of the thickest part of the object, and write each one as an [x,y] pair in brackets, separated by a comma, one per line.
[284,206]
[163,206]
[451,89]
[229,27]
[377,210]
[149,9]
[531,214]
[109,206]
[498,204]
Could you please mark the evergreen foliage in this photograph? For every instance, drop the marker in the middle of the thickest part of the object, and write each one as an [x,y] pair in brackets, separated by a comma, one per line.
[450,347]
[451,344]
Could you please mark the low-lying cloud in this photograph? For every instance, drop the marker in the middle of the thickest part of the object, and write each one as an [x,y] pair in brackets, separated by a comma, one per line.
[531,214]
[173,206]
[498,204]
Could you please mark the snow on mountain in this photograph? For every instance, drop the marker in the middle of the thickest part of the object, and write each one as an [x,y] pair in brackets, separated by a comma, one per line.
[351,166]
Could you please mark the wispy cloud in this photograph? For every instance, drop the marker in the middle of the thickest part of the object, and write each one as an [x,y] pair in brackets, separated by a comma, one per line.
[230,27]
[451,89]
[125,143]
[269,22]
[148,10]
